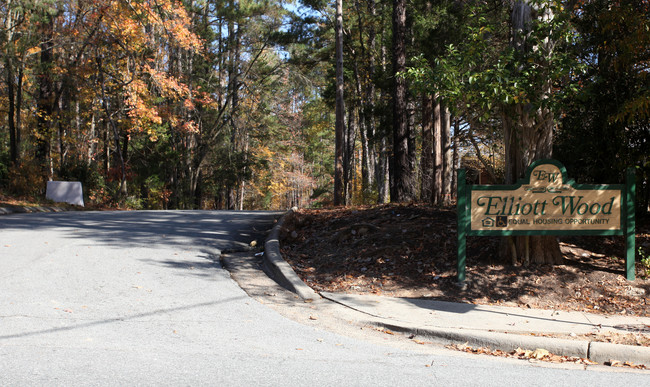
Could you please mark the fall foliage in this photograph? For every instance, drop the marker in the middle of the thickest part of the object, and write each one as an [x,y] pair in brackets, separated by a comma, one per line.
[231,104]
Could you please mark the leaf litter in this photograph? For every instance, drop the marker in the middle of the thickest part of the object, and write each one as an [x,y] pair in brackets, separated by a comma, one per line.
[410,251]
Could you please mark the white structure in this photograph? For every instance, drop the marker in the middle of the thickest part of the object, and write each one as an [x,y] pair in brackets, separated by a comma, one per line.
[66,192]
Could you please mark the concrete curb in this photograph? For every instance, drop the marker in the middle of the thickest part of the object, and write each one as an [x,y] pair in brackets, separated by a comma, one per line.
[28,209]
[604,352]
[598,352]
[495,340]
[280,269]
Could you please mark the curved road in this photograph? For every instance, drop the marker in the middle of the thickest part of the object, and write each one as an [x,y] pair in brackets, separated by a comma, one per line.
[139,298]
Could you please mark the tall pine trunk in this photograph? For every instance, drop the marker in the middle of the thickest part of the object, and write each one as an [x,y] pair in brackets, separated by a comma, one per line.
[383,167]
[426,159]
[438,158]
[403,187]
[339,126]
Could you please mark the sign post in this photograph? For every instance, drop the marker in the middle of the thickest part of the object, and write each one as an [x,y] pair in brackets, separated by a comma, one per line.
[546,202]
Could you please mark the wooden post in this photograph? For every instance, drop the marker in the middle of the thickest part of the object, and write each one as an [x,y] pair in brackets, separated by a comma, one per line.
[630,188]
[461,213]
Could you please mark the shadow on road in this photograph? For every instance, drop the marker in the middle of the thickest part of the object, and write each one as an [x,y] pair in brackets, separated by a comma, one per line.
[118,319]
[207,229]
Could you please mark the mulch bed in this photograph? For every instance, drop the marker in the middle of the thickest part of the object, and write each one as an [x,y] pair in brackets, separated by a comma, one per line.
[410,251]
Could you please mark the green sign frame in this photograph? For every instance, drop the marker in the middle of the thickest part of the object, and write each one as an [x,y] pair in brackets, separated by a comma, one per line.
[624,202]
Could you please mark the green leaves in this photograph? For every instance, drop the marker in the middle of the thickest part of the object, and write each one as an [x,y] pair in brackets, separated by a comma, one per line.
[482,72]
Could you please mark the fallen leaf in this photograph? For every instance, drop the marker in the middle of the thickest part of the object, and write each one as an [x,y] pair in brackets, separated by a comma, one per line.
[540,353]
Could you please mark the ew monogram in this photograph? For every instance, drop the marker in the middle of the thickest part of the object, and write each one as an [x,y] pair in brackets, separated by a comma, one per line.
[545,176]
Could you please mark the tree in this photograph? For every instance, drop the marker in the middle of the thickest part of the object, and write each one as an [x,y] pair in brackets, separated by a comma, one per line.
[12,19]
[611,100]
[506,72]
[528,129]
[339,178]
[436,25]
[403,186]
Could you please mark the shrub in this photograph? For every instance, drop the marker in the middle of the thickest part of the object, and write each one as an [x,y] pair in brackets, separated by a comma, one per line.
[27,180]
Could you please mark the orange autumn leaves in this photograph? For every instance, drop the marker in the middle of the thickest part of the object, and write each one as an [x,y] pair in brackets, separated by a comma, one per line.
[143,35]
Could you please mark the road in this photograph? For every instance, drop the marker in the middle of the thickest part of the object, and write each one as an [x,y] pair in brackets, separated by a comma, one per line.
[140,298]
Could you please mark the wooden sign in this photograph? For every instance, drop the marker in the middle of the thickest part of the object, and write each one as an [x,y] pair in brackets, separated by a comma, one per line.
[546,202]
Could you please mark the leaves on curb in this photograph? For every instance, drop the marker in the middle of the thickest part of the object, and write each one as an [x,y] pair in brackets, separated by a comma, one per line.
[538,354]
[627,364]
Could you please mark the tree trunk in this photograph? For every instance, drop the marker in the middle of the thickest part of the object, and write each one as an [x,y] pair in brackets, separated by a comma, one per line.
[447,157]
[123,157]
[122,193]
[92,146]
[412,152]
[438,160]
[403,186]
[107,148]
[383,167]
[370,89]
[528,136]
[454,184]
[383,172]
[234,39]
[339,128]
[46,97]
[62,134]
[366,99]
[348,160]
[18,109]
[14,92]
[426,159]
[363,131]
[11,114]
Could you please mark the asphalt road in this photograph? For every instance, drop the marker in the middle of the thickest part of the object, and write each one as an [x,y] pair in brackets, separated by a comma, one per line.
[140,298]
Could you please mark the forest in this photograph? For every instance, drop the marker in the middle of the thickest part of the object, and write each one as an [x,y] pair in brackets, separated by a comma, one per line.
[270,104]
